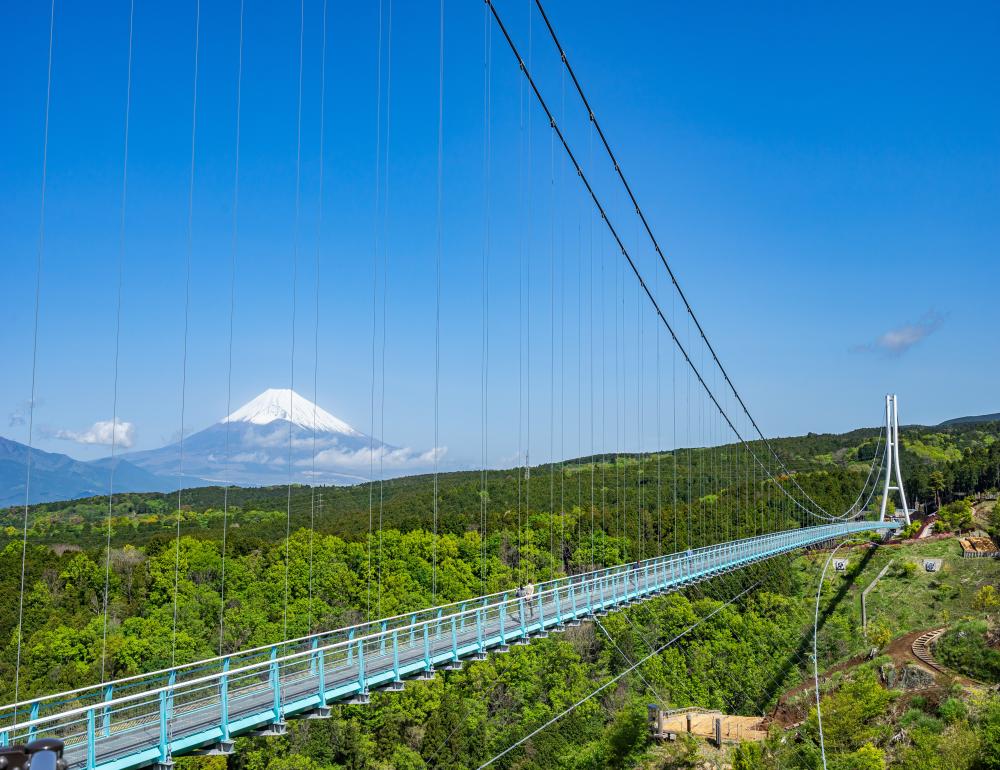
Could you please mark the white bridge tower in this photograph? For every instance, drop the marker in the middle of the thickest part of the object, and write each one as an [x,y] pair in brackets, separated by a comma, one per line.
[892,468]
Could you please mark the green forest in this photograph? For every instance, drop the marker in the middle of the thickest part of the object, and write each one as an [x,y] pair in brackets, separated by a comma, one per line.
[338,567]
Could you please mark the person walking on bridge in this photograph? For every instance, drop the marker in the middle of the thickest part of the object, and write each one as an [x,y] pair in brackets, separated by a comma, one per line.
[529,594]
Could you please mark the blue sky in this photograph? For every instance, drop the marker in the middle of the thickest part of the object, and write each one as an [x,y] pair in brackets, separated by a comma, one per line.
[825,181]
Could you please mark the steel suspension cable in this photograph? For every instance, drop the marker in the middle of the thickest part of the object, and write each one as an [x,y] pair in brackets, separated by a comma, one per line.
[855,511]
[604,402]
[375,253]
[295,270]
[735,683]
[439,247]
[655,243]
[187,305]
[39,260]
[659,448]
[562,352]
[640,514]
[590,369]
[673,407]
[485,354]
[690,450]
[628,660]
[233,252]
[529,197]
[553,309]
[815,655]
[557,133]
[579,376]
[385,297]
[118,324]
[521,307]
[611,681]
[319,242]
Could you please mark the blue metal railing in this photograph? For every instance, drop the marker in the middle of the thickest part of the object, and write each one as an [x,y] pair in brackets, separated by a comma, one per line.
[143,720]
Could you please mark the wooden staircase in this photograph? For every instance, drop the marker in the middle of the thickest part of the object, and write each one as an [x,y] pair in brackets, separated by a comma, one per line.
[923,648]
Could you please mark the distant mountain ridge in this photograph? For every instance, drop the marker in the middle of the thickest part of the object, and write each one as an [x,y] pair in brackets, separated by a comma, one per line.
[57,476]
[971,420]
[256,445]
[267,442]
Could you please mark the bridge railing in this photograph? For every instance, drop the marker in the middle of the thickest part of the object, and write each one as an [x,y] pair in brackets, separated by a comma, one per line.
[333,665]
[95,693]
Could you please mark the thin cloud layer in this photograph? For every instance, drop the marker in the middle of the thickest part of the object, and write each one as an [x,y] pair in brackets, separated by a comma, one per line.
[19,417]
[389,458]
[102,432]
[897,341]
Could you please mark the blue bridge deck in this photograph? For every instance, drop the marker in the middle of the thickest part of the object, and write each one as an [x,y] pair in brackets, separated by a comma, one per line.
[144,720]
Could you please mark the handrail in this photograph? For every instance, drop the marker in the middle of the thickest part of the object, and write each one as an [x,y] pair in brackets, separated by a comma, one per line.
[815,534]
[541,588]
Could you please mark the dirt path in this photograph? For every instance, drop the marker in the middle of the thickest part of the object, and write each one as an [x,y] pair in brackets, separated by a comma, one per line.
[901,650]
[787,715]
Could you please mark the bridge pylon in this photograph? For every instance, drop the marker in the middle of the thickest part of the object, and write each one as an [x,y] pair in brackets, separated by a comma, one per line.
[892,467]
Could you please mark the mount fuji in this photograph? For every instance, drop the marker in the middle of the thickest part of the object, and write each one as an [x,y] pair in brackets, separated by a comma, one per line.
[254,445]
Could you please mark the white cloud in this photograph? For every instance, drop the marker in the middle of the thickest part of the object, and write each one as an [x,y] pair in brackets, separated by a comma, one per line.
[897,341]
[386,457]
[19,417]
[102,432]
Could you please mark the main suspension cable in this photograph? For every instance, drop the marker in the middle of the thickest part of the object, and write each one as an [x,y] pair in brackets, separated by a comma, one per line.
[656,245]
[557,133]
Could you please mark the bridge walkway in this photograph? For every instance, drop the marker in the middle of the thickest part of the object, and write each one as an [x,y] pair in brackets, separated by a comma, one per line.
[145,720]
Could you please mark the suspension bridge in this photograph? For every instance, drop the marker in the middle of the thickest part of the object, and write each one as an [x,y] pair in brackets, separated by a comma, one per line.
[202,706]
[145,720]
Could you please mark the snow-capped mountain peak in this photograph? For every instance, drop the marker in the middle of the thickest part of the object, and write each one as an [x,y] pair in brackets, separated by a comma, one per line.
[285,404]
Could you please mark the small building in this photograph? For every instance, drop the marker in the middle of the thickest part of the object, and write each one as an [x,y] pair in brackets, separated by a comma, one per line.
[978,547]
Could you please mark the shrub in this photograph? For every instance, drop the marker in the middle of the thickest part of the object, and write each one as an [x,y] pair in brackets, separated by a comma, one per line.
[965,649]
[868,757]
[879,634]
[952,710]
[987,599]
[748,756]
[956,516]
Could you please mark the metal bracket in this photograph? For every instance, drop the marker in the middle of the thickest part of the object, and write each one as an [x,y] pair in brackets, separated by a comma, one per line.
[271,731]
[220,749]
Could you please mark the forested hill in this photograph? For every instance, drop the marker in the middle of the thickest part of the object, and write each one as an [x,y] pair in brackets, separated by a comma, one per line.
[171,588]
[971,419]
[939,463]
